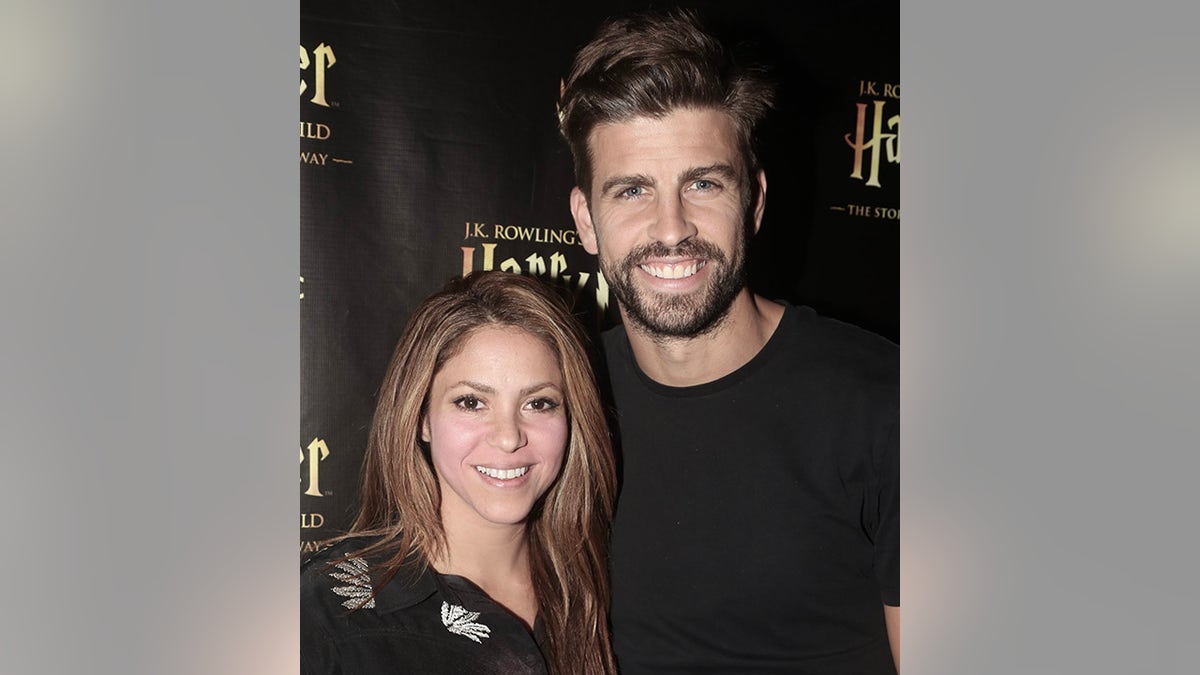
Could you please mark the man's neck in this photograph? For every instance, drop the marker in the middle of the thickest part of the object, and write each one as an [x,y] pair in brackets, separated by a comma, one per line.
[688,361]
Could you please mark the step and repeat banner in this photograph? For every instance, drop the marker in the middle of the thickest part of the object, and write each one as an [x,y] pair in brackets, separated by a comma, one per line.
[429,148]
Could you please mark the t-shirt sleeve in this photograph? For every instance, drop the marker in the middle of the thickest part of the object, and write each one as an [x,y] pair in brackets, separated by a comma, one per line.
[887,534]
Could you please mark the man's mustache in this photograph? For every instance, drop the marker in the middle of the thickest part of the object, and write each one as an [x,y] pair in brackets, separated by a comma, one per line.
[691,248]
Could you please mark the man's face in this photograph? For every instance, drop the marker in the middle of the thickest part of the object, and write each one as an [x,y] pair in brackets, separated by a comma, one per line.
[667,216]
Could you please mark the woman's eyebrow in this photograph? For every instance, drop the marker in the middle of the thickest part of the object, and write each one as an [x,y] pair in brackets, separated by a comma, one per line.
[538,387]
[486,389]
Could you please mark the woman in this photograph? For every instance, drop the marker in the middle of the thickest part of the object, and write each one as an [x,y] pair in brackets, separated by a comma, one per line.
[487,495]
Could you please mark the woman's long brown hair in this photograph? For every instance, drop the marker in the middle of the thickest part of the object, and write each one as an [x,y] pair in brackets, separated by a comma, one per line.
[568,529]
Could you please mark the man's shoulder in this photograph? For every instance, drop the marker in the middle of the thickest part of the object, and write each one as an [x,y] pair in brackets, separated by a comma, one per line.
[803,338]
[806,320]
[811,331]
[841,351]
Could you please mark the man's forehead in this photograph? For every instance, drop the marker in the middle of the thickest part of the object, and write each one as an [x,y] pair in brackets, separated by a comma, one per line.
[688,116]
[682,132]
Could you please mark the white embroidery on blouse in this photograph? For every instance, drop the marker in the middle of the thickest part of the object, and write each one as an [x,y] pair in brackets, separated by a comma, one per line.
[354,572]
[461,622]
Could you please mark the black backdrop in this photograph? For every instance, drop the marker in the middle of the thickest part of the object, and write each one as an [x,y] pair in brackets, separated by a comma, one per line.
[428,147]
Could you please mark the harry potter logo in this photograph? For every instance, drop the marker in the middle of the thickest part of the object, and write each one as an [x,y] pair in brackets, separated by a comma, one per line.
[555,266]
[324,59]
[317,451]
[861,145]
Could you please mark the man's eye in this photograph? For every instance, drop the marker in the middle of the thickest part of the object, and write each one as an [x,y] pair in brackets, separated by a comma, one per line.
[633,191]
[704,184]
[468,403]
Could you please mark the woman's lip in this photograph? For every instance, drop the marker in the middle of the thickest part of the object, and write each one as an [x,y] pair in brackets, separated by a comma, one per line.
[500,474]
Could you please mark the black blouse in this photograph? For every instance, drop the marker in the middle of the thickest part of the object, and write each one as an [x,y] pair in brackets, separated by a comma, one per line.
[433,623]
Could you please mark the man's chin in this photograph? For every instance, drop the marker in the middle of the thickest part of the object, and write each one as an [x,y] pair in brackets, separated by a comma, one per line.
[674,317]
[665,314]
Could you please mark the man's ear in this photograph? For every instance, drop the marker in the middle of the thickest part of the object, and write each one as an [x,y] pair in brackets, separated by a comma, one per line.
[583,221]
[760,199]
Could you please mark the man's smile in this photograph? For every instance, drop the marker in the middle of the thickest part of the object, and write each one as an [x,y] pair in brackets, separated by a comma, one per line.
[679,270]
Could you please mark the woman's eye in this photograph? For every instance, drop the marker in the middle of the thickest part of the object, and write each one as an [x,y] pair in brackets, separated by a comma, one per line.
[543,404]
[468,403]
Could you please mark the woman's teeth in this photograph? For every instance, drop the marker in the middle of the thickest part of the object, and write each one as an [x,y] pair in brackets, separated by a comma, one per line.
[502,474]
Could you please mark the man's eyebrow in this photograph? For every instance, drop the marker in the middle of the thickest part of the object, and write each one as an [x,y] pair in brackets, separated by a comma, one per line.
[720,169]
[634,179]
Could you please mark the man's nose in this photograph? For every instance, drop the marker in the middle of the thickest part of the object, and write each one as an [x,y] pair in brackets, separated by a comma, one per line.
[671,225]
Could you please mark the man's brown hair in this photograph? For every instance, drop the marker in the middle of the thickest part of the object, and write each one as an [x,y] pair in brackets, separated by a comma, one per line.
[647,65]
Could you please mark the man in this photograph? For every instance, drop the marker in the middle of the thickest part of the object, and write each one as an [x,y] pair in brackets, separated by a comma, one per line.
[757,529]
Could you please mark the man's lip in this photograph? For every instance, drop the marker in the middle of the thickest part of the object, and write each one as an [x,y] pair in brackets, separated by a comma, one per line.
[672,270]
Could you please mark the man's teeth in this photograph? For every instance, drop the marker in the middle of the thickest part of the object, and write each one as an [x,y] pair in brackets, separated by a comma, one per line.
[502,474]
[672,271]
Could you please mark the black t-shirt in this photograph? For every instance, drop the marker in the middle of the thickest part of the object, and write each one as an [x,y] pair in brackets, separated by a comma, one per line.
[428,623]
[757,529]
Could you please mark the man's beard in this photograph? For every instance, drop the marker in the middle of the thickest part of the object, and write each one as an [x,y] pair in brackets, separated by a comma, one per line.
[671,315]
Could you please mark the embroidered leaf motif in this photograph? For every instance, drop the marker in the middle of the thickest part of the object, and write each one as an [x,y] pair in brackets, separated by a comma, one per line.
[354,572]
[461,622]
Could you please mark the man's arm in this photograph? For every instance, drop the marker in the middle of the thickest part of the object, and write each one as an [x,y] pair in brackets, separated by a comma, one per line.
[891,616]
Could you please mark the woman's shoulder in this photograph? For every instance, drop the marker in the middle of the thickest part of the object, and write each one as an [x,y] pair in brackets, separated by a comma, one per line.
[357,573]
[336,550]
[337,578]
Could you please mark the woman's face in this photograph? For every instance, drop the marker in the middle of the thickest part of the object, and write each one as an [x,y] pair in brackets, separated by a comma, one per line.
[496,426]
